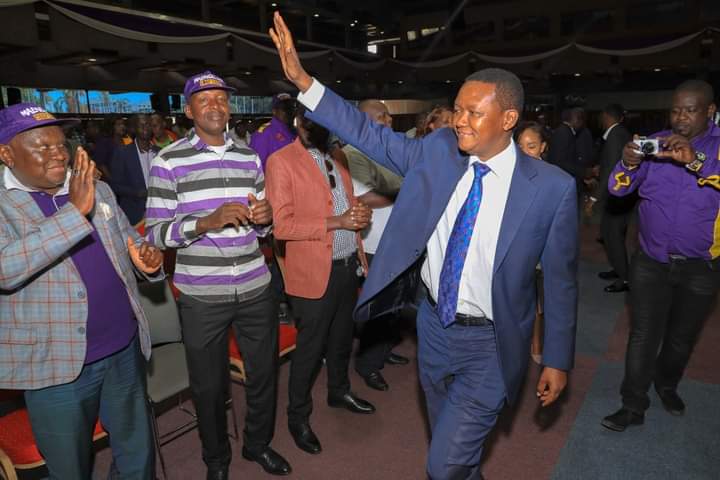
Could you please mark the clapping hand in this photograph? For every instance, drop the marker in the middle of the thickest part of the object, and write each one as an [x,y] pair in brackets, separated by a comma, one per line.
[82,182]
[147,258]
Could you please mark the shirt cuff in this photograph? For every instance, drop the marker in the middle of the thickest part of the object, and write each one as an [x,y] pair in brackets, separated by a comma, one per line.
[311,98]
[188,230]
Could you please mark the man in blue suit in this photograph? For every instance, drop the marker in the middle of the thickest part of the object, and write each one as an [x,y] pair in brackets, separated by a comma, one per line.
[131,168]
[485,214]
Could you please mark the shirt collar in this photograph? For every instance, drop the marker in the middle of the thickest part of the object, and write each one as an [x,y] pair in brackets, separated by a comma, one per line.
[199,144]
[12,183]
[571,128]
[607,132]
[502,164]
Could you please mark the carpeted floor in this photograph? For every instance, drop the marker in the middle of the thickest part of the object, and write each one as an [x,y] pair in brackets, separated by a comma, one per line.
[565,441]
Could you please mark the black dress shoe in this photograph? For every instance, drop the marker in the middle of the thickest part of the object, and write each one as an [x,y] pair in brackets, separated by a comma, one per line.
[395,359]
[617,287]
[622,419]
[671,401]
[610,275]
[271,461]
[376,380]
[352,403]
[305,438]
[217,473]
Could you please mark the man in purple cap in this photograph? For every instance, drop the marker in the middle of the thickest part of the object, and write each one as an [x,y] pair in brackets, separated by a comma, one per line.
[278,132]
[206,197]
[71,326]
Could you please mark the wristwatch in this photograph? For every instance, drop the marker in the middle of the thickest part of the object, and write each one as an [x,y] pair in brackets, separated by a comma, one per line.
[696,164]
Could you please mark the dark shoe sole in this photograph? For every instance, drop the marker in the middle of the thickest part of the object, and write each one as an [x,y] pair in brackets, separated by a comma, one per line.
[619,428]
[349,409]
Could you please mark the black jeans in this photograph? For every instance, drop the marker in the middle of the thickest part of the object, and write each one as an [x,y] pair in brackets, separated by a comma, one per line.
[205,335]
[325,326]
[669,304]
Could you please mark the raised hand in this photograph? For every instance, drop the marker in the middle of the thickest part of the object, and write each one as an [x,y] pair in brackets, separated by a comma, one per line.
[260,211]
[677,148]
[282,38]
[82,182]
[147,258]
[230,213]
[631,155]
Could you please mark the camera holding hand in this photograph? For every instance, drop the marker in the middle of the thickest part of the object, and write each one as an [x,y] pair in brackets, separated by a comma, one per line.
[648,146]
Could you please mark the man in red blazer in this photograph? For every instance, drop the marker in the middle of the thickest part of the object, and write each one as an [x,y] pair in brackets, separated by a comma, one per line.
[317,219]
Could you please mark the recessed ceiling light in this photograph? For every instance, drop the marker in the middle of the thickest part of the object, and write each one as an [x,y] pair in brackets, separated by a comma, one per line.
[577,74]
[316,15]
[400,82]
[247,72]
[273,4]
[657,69]
[92,59]
[338,81]
[448,81]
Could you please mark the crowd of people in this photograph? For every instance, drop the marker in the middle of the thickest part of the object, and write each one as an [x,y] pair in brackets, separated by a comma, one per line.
[471,219]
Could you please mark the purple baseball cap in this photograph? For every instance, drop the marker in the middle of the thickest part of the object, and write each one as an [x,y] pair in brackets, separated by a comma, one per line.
[21,117]
[204,81]
[277,99]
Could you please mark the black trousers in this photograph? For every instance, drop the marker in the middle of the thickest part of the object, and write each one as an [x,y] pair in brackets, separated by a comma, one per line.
[205,335]
[669,304]
[325,326]
[377,338]
[613,229]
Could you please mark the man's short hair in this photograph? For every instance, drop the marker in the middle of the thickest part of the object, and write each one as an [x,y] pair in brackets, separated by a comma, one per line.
[509,91]
[614,111]
[700,87]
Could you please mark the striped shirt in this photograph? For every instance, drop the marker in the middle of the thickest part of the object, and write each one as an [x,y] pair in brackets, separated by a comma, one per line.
[190,180]
[344,241]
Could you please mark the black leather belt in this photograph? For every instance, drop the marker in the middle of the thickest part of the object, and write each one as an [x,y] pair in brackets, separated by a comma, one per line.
[463,319]
[351,261]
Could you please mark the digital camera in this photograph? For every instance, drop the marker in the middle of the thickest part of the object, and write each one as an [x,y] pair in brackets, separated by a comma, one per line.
[648,146]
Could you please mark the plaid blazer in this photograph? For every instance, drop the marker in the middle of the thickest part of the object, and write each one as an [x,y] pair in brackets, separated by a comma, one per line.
[43,304]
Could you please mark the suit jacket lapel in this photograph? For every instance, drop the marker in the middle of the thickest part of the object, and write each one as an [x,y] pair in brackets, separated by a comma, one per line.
[522,192]
[446,180]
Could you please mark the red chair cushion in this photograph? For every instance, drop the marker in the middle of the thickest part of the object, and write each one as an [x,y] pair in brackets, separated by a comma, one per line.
[286,339]
[17,441]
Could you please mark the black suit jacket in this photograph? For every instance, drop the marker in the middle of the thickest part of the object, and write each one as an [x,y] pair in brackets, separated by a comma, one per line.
[610,154]
[563,152]
[128,181]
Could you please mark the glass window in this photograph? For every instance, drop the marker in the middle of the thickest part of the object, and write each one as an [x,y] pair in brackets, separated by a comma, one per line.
[119,102]
[52,100]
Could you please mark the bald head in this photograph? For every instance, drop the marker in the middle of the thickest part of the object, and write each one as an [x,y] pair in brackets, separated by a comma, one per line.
[377,111]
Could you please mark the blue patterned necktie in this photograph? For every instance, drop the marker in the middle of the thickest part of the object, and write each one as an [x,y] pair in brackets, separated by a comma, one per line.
[457,249]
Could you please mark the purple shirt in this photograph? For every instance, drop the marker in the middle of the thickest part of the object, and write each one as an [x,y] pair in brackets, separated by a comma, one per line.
[111,323]
[676,214]
[269,138]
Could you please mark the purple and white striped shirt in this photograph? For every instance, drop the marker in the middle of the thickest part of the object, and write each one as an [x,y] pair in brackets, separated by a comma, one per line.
[189,180]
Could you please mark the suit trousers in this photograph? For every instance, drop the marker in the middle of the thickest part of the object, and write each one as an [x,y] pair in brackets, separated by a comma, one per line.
[616,215]
[377,338]
[464,391]
[205,329]
[324,326]
[63,418]
[669,304]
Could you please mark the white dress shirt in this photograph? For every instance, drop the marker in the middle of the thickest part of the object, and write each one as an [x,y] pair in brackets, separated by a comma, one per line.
[607,132]
[475,294]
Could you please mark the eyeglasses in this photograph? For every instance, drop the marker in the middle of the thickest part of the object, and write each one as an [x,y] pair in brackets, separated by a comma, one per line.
[331,176]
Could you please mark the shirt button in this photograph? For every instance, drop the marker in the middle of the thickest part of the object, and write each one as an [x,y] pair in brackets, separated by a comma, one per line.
[417,253]
[227,180]
[81,330]
[80,294]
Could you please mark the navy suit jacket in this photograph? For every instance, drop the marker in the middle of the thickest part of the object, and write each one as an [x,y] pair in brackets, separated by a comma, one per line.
[128,182]
[539,225]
